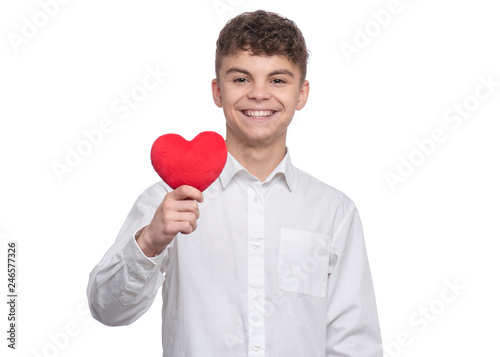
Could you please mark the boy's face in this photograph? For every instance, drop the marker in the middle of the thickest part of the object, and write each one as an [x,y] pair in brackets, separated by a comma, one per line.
[259,96]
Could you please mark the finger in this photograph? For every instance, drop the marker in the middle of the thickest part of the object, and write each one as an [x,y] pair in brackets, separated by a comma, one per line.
[172,206]
[190,217]
[185,191]
[185,227]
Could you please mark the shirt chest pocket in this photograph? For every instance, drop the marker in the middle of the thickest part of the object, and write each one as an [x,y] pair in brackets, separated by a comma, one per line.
[303,262]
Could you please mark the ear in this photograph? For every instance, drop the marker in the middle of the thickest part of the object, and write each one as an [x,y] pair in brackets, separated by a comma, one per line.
[303,95]
[216,93]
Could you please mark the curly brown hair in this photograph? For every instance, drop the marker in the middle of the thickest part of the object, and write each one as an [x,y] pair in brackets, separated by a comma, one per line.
[262,33]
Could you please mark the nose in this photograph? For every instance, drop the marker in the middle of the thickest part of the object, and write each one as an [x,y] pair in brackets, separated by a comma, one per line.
[259,91]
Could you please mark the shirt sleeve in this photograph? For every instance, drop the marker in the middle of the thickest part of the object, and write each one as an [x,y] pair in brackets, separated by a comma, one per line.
[352,319]
[124,283]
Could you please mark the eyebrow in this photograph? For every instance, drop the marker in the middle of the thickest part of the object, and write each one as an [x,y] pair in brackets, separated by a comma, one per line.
[238,70]
[282,71]
[273,73]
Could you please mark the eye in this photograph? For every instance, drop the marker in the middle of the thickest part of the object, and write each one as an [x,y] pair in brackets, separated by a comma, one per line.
[240,80]
[278,81]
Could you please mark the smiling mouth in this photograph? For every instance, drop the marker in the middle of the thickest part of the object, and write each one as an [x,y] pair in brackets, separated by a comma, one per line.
[258,114]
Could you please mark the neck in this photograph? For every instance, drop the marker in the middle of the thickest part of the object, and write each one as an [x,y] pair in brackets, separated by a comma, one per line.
[258,160]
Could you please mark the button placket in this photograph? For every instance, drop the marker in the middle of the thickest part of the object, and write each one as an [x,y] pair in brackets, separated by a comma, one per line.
[256,328]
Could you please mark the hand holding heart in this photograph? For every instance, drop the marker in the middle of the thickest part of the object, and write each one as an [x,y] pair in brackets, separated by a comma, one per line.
[188,167]
[177,213]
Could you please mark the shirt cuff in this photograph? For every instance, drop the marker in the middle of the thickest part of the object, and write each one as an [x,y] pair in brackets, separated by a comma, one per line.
[138,262]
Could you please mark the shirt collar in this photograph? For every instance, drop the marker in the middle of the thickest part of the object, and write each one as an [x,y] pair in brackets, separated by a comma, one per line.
[285,168]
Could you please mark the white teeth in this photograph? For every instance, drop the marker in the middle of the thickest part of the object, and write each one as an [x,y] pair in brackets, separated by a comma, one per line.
[258,113]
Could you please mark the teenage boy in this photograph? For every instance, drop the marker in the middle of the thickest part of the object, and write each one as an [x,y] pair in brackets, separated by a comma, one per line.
[268,261]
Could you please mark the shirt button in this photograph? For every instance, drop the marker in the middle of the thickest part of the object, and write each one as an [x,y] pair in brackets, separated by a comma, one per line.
[256,199]
[256,297]
[256,347]
[256,246]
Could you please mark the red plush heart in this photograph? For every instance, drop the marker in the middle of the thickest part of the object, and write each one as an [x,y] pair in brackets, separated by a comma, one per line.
[196,163]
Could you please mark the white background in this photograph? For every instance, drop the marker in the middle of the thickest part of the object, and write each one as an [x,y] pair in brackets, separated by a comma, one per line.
[364,114]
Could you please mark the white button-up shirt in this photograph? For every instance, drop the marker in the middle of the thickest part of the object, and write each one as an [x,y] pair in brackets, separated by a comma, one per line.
[275,268]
